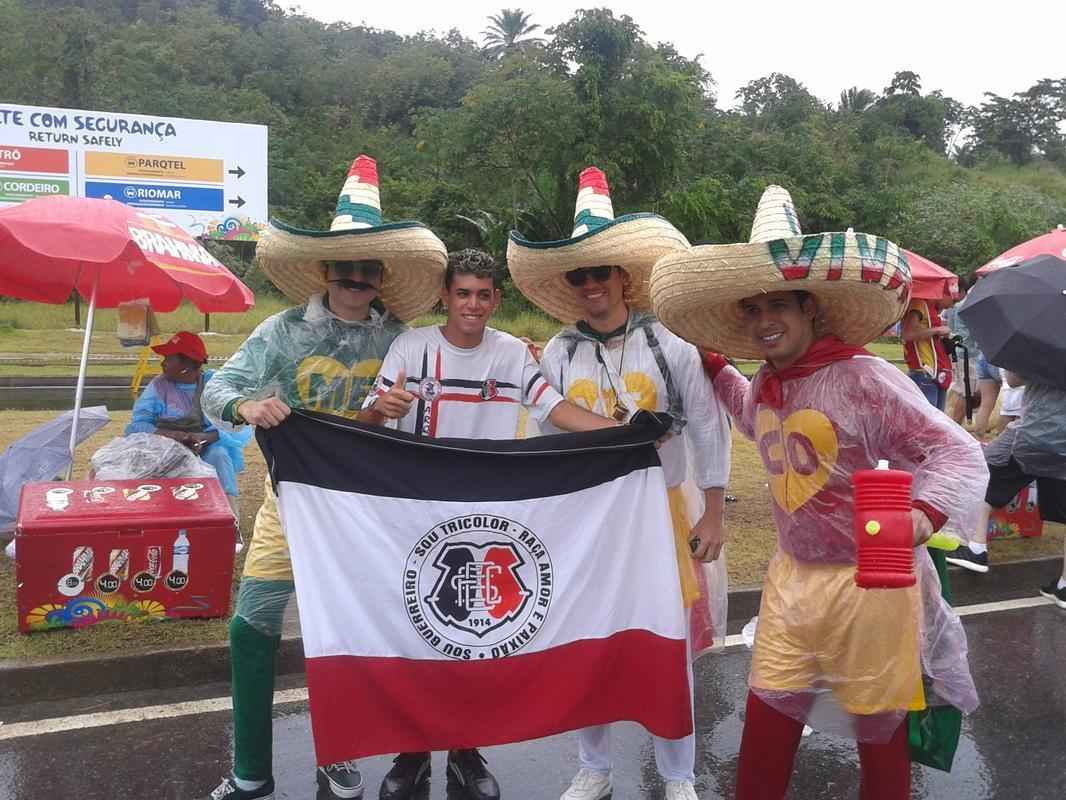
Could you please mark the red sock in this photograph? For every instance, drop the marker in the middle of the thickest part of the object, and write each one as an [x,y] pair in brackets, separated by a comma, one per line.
[886,768]
[767,752]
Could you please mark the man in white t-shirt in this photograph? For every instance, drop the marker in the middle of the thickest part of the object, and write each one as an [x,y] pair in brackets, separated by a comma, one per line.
[466,380]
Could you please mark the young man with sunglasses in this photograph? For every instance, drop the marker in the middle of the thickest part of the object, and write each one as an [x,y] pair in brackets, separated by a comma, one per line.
[321,355]
[618,359]
[466,380]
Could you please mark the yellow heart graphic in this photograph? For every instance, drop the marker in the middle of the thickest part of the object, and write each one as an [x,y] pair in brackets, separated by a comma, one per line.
[324,384]
[799,454]
[583,392]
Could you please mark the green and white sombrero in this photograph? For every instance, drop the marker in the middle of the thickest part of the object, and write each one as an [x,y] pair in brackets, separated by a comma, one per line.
[862,282]
[633,242]
[414,258]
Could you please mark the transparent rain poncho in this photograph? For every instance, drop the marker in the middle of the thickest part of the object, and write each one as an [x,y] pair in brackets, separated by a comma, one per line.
[309,358]
[848,660]
[657,371]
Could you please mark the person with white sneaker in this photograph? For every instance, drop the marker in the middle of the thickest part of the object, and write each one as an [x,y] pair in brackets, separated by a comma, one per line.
[321,355]
[464,380]
[1032,448]
[617,359]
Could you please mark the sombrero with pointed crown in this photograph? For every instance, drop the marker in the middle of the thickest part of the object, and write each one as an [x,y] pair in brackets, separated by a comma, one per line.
[413,257]
[633,242]
[861,282]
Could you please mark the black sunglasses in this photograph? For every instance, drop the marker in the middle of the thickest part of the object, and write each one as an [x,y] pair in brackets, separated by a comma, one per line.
[578,277]
[358,286]
[347,269]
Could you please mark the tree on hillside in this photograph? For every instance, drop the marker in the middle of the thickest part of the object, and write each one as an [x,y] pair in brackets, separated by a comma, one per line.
[509,32]
[905,82]
[856,100]
[1024,126]
[777,100]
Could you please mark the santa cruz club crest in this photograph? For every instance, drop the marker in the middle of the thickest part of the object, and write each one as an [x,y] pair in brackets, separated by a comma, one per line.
[478,586]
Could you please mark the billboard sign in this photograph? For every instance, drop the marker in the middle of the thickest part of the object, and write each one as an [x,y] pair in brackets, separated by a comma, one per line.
[209,177]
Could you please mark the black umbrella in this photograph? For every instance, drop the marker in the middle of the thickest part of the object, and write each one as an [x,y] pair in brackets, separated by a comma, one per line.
[1018,317]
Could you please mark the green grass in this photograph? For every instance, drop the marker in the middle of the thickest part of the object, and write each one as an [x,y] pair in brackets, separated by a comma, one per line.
[749,526]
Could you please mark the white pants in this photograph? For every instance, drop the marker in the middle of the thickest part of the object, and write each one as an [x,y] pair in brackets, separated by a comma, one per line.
[674,758]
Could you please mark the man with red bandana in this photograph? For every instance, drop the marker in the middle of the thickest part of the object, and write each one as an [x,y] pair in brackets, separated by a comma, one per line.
[841,658]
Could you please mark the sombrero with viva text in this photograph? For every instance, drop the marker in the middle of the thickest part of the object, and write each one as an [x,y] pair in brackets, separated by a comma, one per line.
[633,242]
[414,258]
[861,282]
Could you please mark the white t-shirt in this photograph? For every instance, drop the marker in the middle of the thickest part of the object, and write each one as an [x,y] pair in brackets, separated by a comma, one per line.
[590,374]
[1013,398]
[471,393]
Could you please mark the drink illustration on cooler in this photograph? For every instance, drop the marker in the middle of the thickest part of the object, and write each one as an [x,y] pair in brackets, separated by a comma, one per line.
[119,563]
[142,492]
[71,584]
[58,499]
[187,491]
[178,577]
[155,561]
[98,494]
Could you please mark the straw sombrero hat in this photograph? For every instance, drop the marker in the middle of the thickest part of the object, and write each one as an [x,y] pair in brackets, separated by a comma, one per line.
[633,242]
[862,282]
[413,256]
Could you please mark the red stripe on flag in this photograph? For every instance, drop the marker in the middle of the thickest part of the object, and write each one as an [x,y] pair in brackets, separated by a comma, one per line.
[434,406]
[363,706]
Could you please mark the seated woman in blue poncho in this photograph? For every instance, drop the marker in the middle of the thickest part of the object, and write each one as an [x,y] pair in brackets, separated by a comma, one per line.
[170,406]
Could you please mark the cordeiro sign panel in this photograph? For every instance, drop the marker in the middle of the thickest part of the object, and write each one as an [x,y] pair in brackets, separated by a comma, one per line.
[209,177]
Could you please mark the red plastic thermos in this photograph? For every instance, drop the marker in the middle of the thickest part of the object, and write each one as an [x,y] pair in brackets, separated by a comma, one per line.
[884,535]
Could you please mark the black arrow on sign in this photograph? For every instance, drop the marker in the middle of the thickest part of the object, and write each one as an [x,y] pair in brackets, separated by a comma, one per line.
[238,202]
[238,172]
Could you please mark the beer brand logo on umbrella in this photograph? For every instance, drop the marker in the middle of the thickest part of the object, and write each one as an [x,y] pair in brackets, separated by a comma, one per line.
[478,586]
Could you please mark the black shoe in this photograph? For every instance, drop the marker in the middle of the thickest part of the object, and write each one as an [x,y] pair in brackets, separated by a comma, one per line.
[467,773]
[967,559]
[342,780]
[409,772]
[227,790]
[1054,593]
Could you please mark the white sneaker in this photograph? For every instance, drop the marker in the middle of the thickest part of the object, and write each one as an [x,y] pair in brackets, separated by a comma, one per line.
[588,784]
[680,790]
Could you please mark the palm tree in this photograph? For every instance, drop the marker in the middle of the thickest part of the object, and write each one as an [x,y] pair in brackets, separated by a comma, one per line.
[509,32]
[856,100]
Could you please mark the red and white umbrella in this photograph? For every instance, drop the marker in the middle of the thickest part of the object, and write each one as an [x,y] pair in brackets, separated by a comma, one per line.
[110,253]
[1050,244]
[929,280]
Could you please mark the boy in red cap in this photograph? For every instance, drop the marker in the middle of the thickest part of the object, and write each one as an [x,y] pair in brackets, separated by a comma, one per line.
[170,407]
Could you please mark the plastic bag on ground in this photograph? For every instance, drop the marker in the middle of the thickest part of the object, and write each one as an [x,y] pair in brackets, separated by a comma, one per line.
[146,455]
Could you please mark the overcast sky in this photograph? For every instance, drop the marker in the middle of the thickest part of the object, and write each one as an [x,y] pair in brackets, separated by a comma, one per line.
[962,48]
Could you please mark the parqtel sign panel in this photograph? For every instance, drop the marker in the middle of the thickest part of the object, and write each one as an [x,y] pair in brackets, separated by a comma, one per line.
[209,177]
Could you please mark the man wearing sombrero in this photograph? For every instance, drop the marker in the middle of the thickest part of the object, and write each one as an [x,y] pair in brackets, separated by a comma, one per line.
[618,359]
[845,659]
[321,355]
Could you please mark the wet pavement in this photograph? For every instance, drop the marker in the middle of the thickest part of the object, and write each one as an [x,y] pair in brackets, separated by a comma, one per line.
[1012,747]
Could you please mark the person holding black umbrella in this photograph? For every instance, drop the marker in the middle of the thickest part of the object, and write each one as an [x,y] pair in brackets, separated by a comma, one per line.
[1016,315]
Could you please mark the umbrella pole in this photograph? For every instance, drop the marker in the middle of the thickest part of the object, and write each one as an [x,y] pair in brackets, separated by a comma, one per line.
[81,373]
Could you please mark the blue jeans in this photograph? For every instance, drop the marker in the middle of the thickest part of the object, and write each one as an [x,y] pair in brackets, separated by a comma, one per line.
[215,455]
[986,371]
[930,388]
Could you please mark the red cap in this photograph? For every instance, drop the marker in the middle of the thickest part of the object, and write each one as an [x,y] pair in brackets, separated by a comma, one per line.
[186,344]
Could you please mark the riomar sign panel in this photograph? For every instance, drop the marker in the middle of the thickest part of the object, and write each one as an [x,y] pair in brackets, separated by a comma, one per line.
[209,177]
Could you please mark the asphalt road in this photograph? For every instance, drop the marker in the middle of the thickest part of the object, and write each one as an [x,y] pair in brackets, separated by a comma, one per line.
[1012,747]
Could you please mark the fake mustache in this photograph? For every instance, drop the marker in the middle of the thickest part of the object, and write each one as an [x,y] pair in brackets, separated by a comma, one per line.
[355,286]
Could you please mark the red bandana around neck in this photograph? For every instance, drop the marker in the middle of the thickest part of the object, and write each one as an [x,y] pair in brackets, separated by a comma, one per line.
[823,352]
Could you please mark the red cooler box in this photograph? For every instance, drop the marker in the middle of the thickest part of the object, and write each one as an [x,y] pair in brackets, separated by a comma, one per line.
[91,551]
[1019,518]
